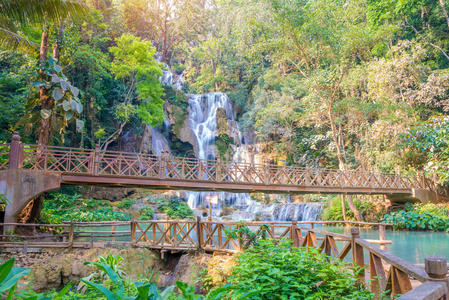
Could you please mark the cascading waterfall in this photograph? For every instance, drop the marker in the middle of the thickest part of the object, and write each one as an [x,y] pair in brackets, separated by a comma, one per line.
[203,123]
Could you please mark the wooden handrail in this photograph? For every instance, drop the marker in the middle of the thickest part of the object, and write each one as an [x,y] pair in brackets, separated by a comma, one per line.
[387,272]
[79,162]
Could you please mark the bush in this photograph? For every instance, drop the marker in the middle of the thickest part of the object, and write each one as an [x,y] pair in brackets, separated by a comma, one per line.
[280,269]
[126,203]
[420,217]
[62,207]
[146,213]
[175,208]
[333,211]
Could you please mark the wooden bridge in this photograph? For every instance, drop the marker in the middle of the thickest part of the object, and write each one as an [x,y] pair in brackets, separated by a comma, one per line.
[383,273]
[29,170]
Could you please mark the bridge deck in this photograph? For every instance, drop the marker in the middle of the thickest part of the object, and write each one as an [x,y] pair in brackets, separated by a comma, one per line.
[110,168]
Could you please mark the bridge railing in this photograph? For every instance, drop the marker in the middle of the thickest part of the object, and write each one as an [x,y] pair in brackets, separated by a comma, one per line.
[113,163]
[125,164]
[382,272]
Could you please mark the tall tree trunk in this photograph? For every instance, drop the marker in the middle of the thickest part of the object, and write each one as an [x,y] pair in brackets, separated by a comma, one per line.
[46,101]
[354,209]
[57,46]
[343,207]
[341,163]
[443,8]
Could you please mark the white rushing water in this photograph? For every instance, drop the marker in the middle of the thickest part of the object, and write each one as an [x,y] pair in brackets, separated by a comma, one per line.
[203,123]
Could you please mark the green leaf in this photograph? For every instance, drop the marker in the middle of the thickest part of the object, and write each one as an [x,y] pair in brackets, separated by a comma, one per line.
[55,78]
[5,268]
[57,94]
[76,105]
[66,105]
[79,125]
[108,294]
[45,113]
[13,277]
[75,91]
[64,85]
[69,115]
[11,293]
[38,83]
[63,291]
[58,68]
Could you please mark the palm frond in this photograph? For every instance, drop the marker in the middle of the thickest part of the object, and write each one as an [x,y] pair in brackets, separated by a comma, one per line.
[25,11]
[12,40]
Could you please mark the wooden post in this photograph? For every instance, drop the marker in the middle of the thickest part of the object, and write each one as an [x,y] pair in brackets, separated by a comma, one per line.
[218,169]
[167,230]
[91,240]
[357,253]
[15,153]
[266,174]
[382,236]
[25,248]
[199,233]
[96,159]
[200,169]
[175,234]
[294,234]
[343,207]
[240,240]
[436,267]
[113,232]
[133,232]
[71,234]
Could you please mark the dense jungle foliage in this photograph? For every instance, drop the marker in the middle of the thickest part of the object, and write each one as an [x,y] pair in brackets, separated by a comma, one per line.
[322,83]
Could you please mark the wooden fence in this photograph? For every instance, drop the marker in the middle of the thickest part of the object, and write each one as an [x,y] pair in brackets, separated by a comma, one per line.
[88,162]
[384,272]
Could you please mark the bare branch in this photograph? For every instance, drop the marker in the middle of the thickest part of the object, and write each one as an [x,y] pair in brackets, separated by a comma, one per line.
[427,41]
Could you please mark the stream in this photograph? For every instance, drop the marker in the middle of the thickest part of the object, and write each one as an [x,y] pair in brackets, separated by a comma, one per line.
[412,246]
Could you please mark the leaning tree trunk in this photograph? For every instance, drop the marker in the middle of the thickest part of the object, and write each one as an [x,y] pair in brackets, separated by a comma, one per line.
[341,161]
[354,209]
[46,101]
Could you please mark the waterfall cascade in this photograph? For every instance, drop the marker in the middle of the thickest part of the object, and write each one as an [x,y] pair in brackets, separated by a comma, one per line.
[203,123]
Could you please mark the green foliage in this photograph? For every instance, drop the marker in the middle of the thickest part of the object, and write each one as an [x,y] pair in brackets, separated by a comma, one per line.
[134,62]
[118,289]
[126,203]
[176,208]
[146,213]
[246,236]
[113,262]
[333,210]
[427,147]
[420,217]
[279,269]
[62,207]
[9,276]
[223,143]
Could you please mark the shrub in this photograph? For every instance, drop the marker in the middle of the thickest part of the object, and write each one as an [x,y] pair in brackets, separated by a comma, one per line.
[176,208]
[431,208]
[413,220]
[280,269]
[62,207]
[333,211]
[126,203]
[146,213]
[420,216]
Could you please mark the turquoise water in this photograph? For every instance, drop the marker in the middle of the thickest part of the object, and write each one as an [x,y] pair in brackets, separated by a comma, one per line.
[412,246]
